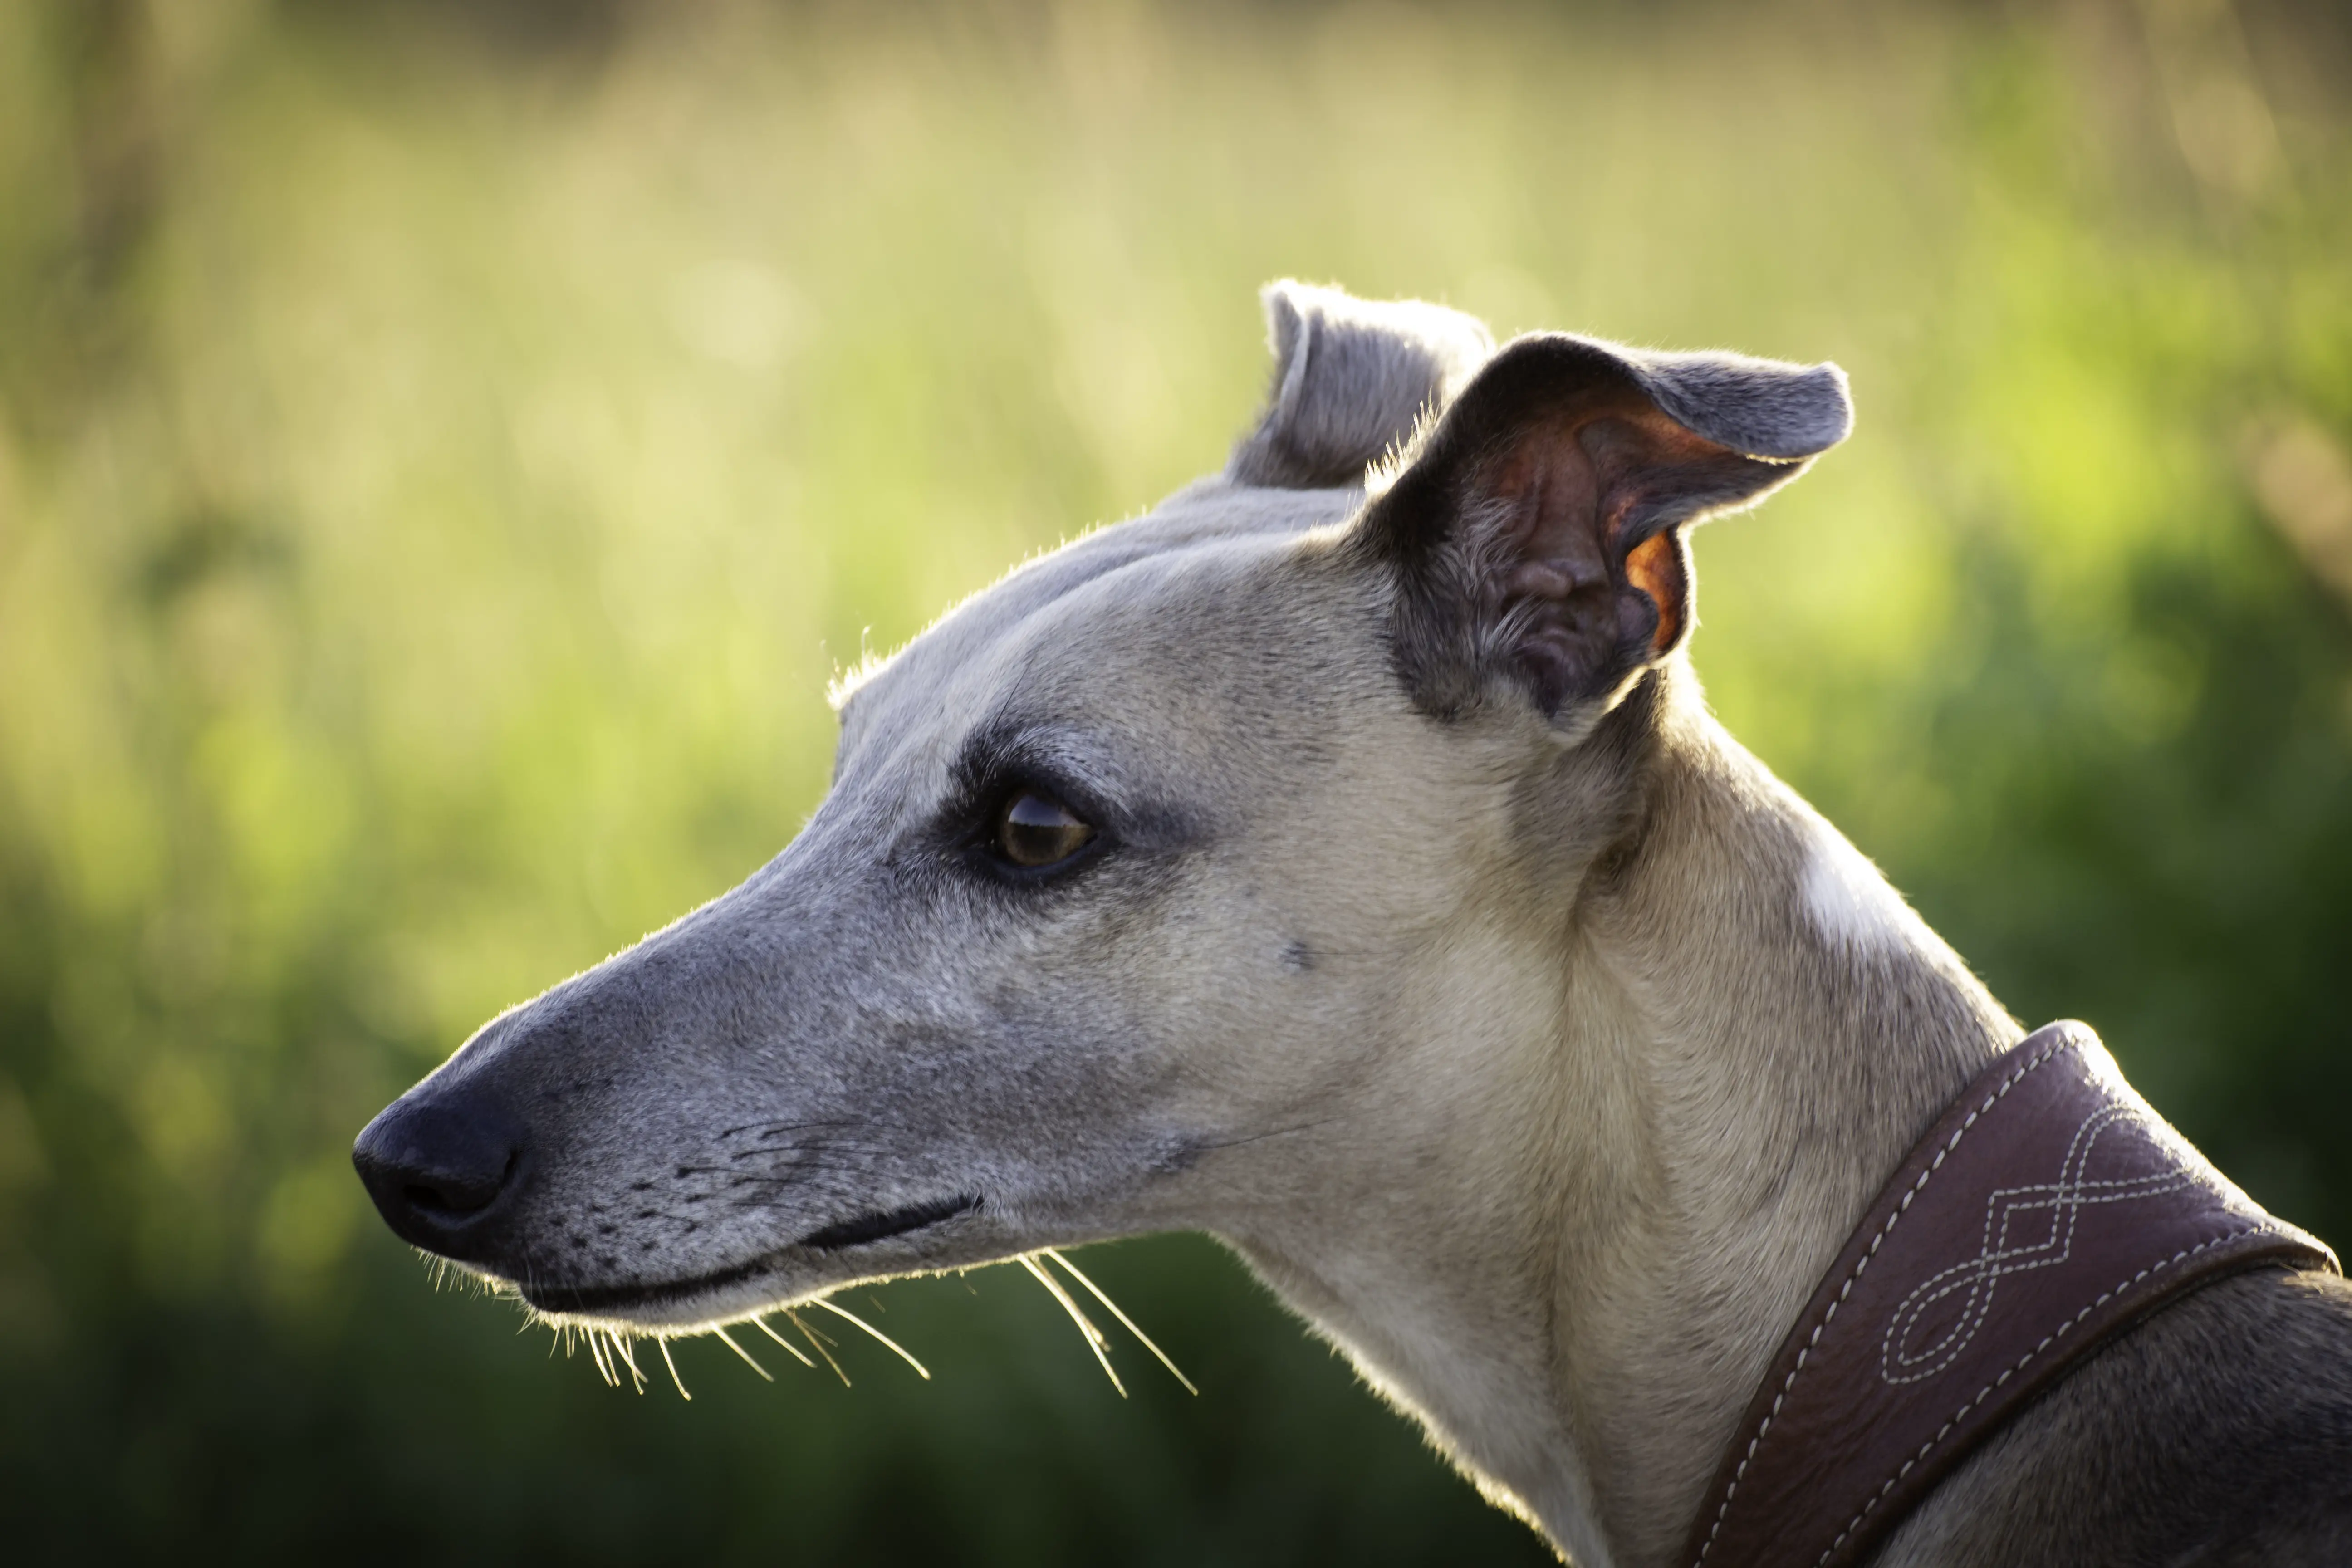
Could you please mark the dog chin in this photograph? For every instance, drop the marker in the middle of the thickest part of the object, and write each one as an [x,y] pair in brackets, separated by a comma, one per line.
[665,1304]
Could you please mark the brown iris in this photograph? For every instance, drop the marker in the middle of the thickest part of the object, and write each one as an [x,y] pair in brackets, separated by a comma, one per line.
[1035,830]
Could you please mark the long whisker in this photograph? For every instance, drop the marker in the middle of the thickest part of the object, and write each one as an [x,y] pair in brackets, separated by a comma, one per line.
[777,1140]
[1124,1321]
[802,1150]
[604,1366]
[765,1128]
[663,1341]
[791,1348]
[799,1162]
[728,1341]
[817,1342]
[794,1175]
[629,1359]
[921,1370]
[792,1186]
[1095,1341]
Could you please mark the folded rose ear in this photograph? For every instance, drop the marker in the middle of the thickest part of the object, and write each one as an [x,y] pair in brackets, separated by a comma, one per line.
[1352,380]
[1537,532]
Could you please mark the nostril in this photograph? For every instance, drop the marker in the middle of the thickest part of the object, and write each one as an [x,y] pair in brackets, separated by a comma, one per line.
[434,1163]
[451,1201]
[456,1196]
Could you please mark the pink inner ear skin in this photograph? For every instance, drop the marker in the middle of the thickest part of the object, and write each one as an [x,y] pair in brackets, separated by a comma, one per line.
[1655,567]
[1568,487]
[1554,498]
[1552,540]
[1538,525]
[1639,453]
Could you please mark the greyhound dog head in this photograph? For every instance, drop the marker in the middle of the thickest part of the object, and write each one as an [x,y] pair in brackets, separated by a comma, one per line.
[1265,865]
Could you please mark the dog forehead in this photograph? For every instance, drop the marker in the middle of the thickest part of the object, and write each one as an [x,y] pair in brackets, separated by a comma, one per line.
[1059,633]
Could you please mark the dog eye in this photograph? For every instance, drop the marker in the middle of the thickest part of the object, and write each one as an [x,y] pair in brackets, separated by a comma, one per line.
[1035,830]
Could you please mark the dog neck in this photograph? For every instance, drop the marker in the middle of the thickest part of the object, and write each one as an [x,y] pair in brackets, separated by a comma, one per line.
[1623,1134]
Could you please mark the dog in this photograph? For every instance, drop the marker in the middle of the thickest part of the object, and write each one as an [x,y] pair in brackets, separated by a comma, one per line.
[1341,859]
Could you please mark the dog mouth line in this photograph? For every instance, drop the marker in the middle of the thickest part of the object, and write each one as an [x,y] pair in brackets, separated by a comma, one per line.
[858,1231]
[890,1223]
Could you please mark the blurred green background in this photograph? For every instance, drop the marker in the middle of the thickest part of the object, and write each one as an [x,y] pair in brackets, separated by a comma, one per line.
[444,450]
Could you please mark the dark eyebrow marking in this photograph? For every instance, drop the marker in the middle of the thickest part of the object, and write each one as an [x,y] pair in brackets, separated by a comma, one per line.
[999,756]
[1071,765]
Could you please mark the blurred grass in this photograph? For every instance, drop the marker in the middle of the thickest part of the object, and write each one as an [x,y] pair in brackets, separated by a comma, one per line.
[443,452]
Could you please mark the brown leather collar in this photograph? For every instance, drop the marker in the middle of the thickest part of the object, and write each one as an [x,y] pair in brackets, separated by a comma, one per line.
[2048,1209]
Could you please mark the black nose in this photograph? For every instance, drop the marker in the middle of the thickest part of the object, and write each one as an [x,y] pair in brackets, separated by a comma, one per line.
[437,1163]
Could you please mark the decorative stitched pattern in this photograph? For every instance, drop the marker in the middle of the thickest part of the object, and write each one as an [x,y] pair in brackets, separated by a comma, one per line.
[2063,1041]
[2021,1363]
[2062,1202]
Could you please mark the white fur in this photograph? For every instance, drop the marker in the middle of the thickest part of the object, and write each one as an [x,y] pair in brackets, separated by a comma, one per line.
[1848,900]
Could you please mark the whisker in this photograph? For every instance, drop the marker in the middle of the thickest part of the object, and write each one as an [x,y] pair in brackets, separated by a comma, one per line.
[530,1275]
[817,1342]
[1095,1341]
[802,1175]
[1124,1321]
[797,1169]
[765,1128]
[791,1348]
[663,1341]
[628,1359]
[604,1366]
[776,1140]
[802,1150]
[793,1159]
[921,1370]
[728,1341]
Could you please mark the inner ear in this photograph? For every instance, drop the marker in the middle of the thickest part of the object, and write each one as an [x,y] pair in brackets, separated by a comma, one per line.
[1538,535]
[1655,568]
[1588,541]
